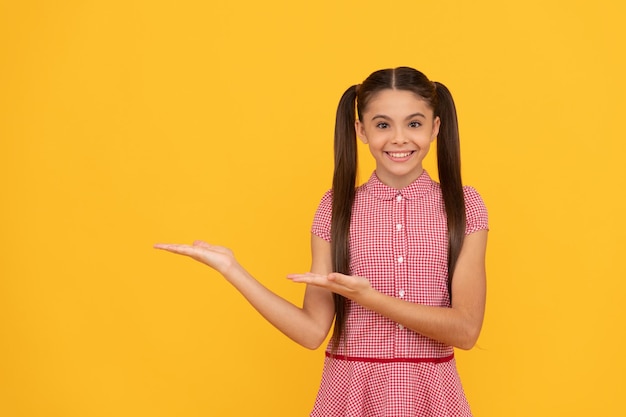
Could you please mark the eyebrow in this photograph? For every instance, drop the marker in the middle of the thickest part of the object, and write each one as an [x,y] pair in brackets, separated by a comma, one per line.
[382,116]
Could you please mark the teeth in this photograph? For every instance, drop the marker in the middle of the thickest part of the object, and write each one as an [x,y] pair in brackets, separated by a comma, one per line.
[399,154]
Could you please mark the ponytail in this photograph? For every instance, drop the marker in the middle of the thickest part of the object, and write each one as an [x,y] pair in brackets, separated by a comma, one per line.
[449,166]
[344,182]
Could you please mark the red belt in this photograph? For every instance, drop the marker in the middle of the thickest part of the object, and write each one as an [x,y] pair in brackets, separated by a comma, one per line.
[390,360]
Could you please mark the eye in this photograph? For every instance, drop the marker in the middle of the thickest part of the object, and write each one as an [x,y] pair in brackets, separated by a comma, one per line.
[382,125]
[414,124]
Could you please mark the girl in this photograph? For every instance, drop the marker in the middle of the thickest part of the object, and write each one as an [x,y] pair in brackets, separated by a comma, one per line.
[398,263]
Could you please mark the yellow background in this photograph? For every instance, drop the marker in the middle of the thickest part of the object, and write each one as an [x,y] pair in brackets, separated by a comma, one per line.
[125,123]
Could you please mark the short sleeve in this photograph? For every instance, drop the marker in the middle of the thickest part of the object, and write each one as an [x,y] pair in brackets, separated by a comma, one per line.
[323,216]
[475,211]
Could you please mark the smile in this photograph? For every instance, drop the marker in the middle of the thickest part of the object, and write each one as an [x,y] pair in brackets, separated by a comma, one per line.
[399,154]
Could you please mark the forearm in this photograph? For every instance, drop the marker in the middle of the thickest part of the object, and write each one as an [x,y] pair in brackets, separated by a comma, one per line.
[451,326]
[295,322]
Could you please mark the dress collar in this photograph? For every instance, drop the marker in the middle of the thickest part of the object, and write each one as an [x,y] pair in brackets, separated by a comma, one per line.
[422,185]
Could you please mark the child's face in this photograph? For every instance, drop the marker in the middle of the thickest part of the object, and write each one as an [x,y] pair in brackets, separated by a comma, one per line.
[399,127]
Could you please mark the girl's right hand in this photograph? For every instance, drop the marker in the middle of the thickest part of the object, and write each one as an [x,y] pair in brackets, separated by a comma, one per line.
[217,257]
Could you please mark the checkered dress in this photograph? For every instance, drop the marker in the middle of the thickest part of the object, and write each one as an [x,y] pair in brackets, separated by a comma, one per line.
[398,240]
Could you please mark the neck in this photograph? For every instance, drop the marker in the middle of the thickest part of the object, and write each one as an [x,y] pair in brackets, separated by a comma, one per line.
[400,182]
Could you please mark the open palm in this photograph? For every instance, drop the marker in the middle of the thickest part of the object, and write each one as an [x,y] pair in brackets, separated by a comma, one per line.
[217,257]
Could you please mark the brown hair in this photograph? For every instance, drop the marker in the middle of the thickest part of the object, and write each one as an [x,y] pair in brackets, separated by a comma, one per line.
[344,177]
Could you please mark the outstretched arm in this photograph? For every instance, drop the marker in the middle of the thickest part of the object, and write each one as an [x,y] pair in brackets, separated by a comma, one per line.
[458,326]
[308,325]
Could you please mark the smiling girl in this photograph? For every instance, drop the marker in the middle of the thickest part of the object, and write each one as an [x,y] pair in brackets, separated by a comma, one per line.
[398,263]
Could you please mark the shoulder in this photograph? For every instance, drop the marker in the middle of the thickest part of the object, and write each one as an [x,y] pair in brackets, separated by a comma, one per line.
[327,198]
[472,195]
[475,210]
[323,216]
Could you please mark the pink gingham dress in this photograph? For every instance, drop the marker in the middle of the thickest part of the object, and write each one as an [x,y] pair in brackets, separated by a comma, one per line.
[398,240]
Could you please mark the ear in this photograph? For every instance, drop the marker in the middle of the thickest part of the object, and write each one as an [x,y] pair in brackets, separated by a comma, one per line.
[360,131]
[436,125]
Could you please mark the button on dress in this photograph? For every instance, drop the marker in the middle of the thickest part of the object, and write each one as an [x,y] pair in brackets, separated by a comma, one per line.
[398,241]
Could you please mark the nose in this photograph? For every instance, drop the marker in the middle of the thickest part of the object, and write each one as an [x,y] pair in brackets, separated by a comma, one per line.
[399,137]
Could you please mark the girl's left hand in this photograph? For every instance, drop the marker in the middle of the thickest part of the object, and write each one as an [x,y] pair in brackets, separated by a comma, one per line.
[350,286]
